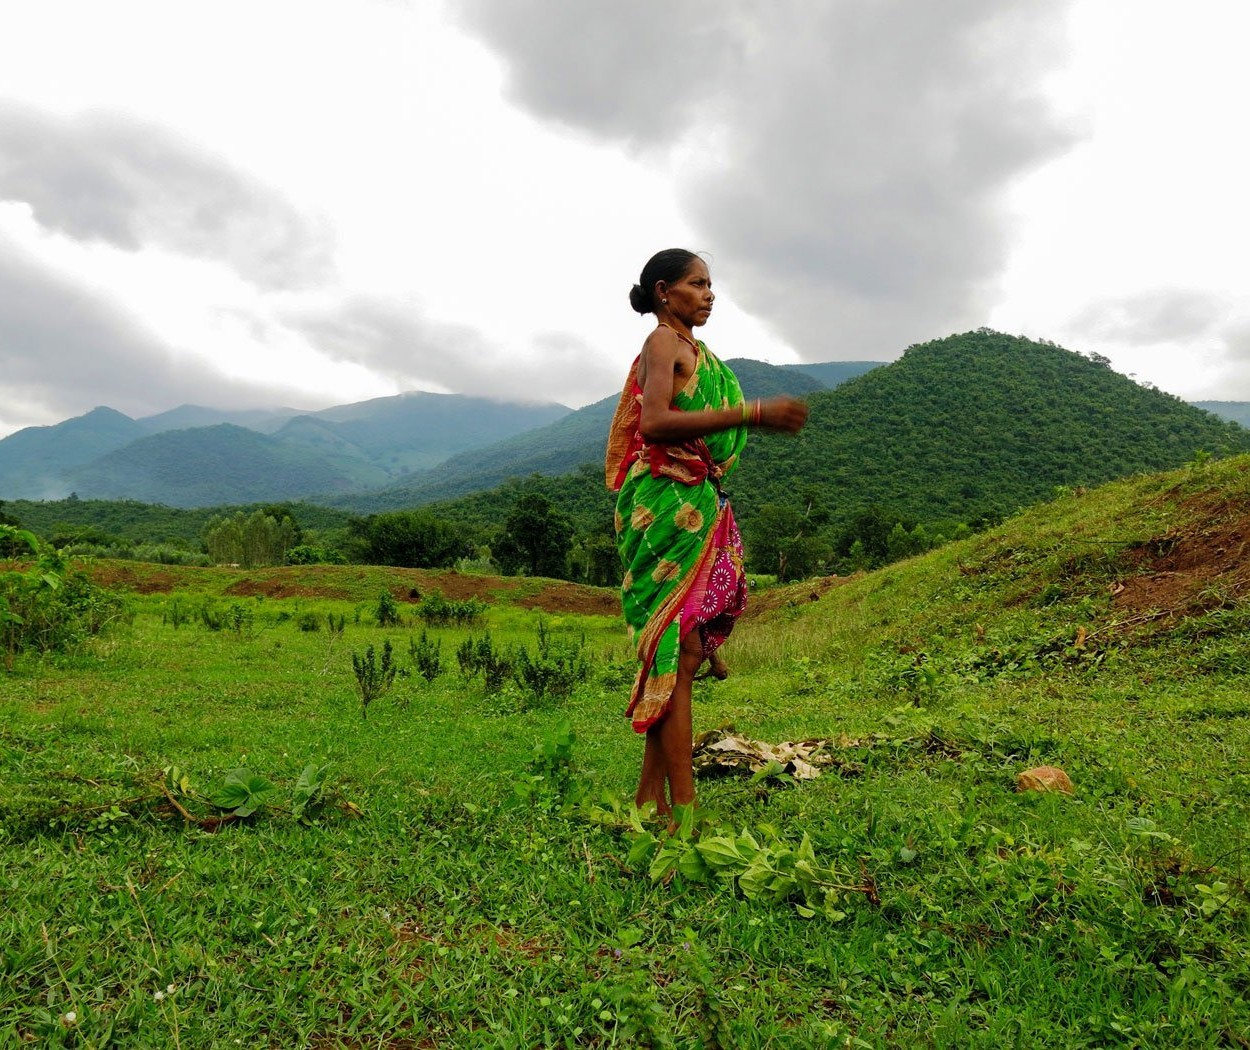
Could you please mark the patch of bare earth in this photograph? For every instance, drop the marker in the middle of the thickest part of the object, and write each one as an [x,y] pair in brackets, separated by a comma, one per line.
[126,578]
[558,597]
[1197,567]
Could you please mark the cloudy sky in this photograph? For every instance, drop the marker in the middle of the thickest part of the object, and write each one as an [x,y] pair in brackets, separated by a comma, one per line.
[306,203]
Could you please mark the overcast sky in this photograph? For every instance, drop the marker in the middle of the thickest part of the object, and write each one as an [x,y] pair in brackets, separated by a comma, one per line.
[306,203]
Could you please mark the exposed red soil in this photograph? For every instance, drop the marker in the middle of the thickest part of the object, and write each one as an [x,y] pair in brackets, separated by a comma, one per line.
[574,598]
[138,578]
[1195,567]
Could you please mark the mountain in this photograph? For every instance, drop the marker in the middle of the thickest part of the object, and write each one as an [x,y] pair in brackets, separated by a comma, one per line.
[34,460]
[834,373]
[565,445]
[1237,411]
[346,448]
[184,417]
[211,465]
[416,431]
[976,425]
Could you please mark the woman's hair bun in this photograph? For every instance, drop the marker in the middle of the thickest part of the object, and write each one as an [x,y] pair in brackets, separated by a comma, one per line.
[639,299]
[668,266]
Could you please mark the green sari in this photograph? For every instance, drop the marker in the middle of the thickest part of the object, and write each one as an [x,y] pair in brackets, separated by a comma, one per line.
[676,533]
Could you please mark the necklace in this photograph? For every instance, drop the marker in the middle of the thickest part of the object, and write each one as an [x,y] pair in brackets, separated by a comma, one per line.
[680,335]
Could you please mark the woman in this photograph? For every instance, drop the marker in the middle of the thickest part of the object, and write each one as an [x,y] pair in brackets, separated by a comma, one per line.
[677,433]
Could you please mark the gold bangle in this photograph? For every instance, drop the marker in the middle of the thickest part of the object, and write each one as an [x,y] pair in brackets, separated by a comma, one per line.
[745,413]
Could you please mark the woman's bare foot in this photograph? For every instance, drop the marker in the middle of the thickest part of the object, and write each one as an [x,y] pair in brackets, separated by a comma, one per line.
[716,668]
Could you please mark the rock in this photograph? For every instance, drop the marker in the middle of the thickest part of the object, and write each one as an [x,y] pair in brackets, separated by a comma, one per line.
[1044,778]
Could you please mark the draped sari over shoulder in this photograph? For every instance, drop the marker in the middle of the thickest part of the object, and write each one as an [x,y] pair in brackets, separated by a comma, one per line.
[676,533]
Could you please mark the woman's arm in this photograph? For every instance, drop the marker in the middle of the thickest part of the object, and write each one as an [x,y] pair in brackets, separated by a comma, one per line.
[663,424]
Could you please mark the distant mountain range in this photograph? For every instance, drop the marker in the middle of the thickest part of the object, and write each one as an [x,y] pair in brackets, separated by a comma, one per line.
[194,456]
[385,452]
[422,448]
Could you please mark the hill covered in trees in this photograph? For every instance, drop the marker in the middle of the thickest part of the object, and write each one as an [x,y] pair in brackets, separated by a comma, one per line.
[976,426]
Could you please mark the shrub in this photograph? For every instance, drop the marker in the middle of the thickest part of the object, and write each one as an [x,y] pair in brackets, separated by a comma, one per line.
[386,612]
[45,607]
[440,612]
[481,657]
[554,670]
[374,677]
[426,657]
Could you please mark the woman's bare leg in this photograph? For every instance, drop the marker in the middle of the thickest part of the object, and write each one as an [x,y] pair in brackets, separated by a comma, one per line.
[651,784]
[676,731]
[666,757]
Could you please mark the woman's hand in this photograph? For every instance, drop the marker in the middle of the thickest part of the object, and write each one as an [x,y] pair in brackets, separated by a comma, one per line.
[787,414]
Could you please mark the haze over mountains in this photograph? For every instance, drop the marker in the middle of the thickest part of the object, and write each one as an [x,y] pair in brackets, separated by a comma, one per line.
[981,406]
[193,456]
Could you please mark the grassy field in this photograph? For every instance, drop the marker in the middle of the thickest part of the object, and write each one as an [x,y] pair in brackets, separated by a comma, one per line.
[455,889]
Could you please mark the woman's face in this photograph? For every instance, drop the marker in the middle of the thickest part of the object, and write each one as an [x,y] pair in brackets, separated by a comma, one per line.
[690,297]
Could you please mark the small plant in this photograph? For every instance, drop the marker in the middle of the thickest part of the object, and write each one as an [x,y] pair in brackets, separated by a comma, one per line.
[549,776]
[243,792]
[555,669]
[440,612]
[481,657]
[309,796]
[426,656]
[176,613]
[211,617]
[386,612]
[239,619]
[44,606]
[374,677]
[336,624]
[309,622]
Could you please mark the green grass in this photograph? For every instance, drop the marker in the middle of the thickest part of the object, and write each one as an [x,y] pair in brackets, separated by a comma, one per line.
[448,913]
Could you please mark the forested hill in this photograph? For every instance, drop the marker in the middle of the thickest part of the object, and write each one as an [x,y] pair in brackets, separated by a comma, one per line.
[976,425]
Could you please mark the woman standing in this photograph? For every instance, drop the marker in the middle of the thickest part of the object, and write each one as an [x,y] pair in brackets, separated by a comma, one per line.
[678,431]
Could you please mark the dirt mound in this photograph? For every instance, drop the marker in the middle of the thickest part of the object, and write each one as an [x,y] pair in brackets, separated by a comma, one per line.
[1197,566]
[574,598]
[114,576]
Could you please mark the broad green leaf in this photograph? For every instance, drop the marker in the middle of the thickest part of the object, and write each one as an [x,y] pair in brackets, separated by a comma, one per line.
[666,859]
[771,768]
[683,817]
[746,845]
[721,853]
[692,866]
[754,881]
[640,851]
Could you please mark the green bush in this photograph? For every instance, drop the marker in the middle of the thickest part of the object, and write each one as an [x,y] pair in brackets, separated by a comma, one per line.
[44,607]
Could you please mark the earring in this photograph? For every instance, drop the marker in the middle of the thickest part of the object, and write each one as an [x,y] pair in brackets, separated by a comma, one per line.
[663,302]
